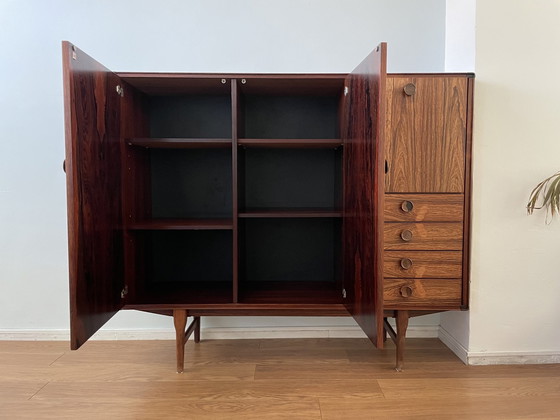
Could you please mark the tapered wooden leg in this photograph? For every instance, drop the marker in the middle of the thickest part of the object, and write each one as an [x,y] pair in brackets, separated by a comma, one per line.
[197,330]
[180,321]
[402,325]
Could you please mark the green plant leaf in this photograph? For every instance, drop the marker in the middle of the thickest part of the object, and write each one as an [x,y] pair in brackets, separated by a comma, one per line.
[549,191]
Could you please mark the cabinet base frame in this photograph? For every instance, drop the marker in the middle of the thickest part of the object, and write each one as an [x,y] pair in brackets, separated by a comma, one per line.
[183,333]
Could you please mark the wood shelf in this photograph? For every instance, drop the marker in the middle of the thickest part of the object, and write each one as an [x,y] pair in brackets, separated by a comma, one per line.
[199,292]
[291,143]
[183,224]
[178,143]
[289,292]
[289,213]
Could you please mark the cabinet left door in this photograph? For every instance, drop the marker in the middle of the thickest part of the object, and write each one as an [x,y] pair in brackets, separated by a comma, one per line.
[92,100]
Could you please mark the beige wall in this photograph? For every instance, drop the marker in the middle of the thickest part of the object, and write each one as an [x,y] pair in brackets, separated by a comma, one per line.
[515,289]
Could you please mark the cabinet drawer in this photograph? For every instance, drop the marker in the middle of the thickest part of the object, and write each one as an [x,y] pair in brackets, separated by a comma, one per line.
[430,264]
[424,236]
[421,292]
[424,207]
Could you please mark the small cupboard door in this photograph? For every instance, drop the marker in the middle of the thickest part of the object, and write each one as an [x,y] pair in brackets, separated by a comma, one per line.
[93,177]
[426,134]
[363,135]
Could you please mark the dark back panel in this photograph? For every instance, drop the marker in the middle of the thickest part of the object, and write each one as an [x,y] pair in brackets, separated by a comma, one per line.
[193,183]
[194,116]
[289,249]
[363,134]
[295,178]
[190,256]
[291,117]
[93,176]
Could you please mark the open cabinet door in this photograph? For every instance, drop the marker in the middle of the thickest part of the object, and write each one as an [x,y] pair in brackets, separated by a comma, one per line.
[93,177]
[363,135]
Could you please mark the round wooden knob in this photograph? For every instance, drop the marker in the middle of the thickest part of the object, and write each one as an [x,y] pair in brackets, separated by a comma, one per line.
[407,206]
[409,89]
[406,263]
[406,235]
[406,291]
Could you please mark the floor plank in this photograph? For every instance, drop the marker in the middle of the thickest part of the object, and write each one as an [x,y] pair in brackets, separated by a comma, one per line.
[471,387]
[461,408]
[19,390]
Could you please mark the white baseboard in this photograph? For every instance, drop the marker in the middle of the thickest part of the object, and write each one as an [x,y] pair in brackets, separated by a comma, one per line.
[454,345]
[429,331]
[513,358]
[497,357]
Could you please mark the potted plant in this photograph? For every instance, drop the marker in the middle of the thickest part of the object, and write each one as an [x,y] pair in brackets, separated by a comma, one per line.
[546,195]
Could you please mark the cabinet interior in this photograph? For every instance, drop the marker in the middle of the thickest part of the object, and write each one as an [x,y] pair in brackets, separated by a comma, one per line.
[234,192]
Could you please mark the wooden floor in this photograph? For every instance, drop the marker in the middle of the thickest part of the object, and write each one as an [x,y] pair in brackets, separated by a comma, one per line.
[265,379]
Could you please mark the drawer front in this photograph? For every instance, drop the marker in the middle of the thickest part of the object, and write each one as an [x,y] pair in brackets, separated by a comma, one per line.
[423,264]
[405,293]
[423,236]
[424,207]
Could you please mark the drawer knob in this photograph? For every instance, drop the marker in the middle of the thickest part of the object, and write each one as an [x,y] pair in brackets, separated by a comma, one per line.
[406,263]
[406,291]
[407,206]
[409,89]
[406,235]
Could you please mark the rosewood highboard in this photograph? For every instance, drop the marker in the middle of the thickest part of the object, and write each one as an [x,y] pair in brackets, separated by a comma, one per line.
[266,194]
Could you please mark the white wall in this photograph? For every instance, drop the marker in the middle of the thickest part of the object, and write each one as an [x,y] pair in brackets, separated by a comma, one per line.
[460,35]
[515,281]
[149,35]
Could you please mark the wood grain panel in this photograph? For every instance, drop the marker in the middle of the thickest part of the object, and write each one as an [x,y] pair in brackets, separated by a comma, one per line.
[426,134]
[178,143]
[93,174]
[363,132]
[425,208]
[423,292]
[182,224]
[291,143]
[425,236]
[235,106]
[468,195]
[428,264]
[136,186]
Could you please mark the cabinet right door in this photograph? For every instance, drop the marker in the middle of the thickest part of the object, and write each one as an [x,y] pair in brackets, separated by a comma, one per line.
[426,134]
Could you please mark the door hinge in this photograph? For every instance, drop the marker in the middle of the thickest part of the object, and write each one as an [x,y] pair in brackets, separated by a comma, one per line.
[124,291]
[343,293]
[120,91]
[346,90]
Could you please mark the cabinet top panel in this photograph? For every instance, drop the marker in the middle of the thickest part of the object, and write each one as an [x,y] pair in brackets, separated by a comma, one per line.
[431,75]
[253,84]
[329,84]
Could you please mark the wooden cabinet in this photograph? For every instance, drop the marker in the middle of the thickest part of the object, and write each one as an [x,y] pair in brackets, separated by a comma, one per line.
[266,194]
